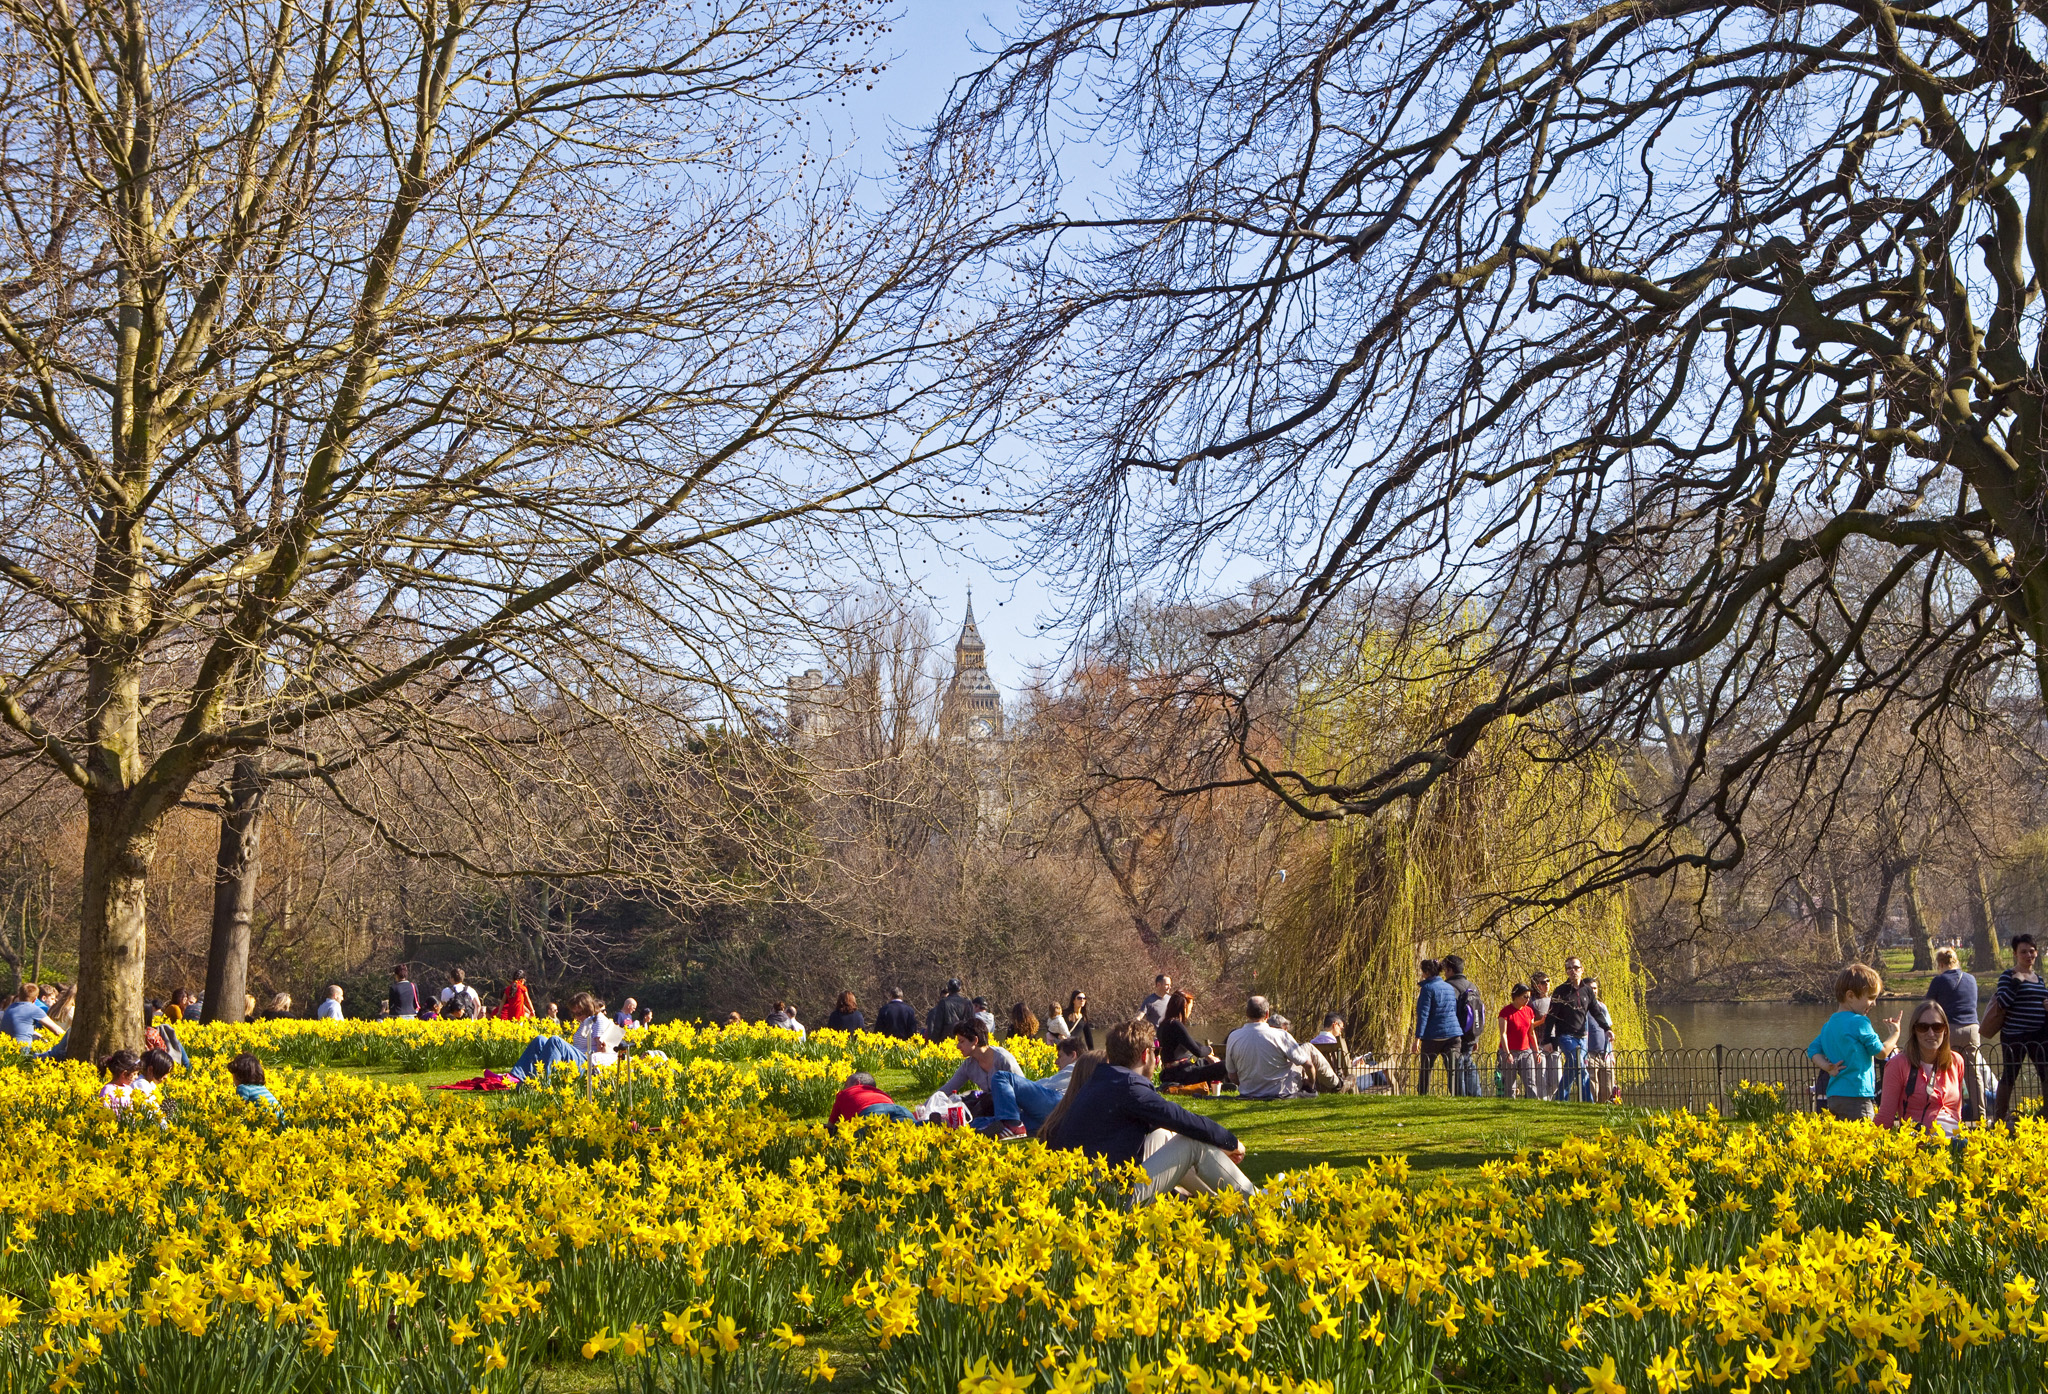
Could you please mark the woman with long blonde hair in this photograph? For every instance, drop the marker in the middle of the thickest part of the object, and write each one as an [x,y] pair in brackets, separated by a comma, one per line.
[1923,1083]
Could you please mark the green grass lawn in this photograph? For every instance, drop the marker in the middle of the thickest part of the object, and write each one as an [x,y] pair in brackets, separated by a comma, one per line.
[1439,1136]
[391,1074]
[1901,977]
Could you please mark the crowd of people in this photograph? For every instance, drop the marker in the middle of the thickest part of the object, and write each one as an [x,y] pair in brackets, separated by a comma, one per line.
[1927,1070]
[1106,1097]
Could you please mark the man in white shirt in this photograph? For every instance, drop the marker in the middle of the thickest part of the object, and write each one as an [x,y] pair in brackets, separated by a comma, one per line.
[1154,1006]
[459,999]
[330,1010]
[1263,1061]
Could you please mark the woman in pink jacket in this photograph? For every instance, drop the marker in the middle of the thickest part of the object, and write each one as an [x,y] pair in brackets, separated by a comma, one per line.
[1923,1083]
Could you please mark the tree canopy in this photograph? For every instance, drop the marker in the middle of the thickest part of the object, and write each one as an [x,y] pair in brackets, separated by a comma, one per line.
[1644,352]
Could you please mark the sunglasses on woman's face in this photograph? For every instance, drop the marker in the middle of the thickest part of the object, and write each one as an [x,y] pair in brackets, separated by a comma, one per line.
[1933,1027]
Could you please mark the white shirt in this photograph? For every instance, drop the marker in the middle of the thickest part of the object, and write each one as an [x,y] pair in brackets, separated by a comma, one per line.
[329,1010]
[1264,1061]
[595,1036]
[465,994]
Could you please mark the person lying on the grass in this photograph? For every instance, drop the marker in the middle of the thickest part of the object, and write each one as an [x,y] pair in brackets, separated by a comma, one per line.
[589,1047]
[1118,1116]
[860,1097]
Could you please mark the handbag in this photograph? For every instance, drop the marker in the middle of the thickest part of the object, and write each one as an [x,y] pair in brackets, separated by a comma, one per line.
[1992,1022]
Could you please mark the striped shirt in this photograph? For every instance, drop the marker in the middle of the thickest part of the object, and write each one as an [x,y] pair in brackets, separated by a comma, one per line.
[2026,1006]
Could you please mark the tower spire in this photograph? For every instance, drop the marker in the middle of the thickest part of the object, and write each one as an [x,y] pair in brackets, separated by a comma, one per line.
[973,707]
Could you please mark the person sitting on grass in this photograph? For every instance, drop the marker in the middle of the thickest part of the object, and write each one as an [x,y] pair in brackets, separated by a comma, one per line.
[588,1047]
[1119,1117]
[1848,1047]
[1318,1075]
[1019,1104]
[125,1086]
[1186,1060]
[1923,1083]
[247,1072]
[20,1021]
[978,1059]
[861,1097]
[1261,1059]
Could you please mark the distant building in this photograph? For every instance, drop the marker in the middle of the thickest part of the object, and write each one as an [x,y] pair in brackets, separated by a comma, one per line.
[972,708]
[811,703]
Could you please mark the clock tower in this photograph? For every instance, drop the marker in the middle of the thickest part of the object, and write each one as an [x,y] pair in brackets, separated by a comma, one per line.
[973,709]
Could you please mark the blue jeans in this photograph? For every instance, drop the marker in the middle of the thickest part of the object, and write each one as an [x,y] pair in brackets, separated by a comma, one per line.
[543,1053]
[895,1111]
[1573,1048]
[1021,1100]
[1468,1073]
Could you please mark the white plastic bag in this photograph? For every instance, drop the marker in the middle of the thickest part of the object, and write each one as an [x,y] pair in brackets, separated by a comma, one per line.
[943,1108]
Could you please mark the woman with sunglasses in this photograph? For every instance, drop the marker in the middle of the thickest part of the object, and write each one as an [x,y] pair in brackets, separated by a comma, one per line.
[1079,1023]
[1923,1083]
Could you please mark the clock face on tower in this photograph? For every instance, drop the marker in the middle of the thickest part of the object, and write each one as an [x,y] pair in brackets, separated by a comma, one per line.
[981,728]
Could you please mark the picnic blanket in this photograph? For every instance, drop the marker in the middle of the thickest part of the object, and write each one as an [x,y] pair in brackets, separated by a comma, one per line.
[488,1082]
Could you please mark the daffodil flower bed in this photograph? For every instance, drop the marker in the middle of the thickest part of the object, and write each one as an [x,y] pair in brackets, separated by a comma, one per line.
[416,1046]
[672,1228]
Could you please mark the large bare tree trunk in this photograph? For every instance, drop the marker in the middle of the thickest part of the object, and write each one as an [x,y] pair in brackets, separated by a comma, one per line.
[234,893]
[1983,929]
[1916,920]
[113,926]
[1870,947]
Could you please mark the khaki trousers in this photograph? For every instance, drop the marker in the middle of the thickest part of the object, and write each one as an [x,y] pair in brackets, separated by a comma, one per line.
[1172,1159]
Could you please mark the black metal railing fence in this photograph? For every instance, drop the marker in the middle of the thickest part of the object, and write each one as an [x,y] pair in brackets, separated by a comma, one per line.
[1707,1080]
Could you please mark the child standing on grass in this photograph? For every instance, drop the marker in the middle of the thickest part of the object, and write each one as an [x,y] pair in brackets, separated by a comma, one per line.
[247,1072]
[1848,1047]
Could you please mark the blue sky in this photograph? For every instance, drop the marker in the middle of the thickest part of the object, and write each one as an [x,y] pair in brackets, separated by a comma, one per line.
[932,43]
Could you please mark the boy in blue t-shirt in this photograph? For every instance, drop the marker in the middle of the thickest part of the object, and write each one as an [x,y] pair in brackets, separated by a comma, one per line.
[1848,1047]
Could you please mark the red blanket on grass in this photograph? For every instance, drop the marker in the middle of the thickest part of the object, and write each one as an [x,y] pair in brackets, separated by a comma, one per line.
[486,1082]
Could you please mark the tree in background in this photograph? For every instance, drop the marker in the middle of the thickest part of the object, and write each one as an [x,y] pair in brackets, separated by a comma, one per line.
[1480,865]
[410,378]
[1636,337]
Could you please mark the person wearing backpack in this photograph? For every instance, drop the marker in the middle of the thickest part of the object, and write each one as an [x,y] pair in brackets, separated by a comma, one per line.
[459,999]
[1471,1011]
[1437,1034]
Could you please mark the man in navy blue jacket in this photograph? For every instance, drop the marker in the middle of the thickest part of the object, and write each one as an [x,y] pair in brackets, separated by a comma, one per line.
[897,1017]
[1116,1113]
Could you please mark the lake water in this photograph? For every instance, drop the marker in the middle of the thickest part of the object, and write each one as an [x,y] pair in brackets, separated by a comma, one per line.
[1704,1025]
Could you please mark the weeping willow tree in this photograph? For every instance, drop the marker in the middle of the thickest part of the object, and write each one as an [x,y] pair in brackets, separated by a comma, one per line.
[1479,866]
